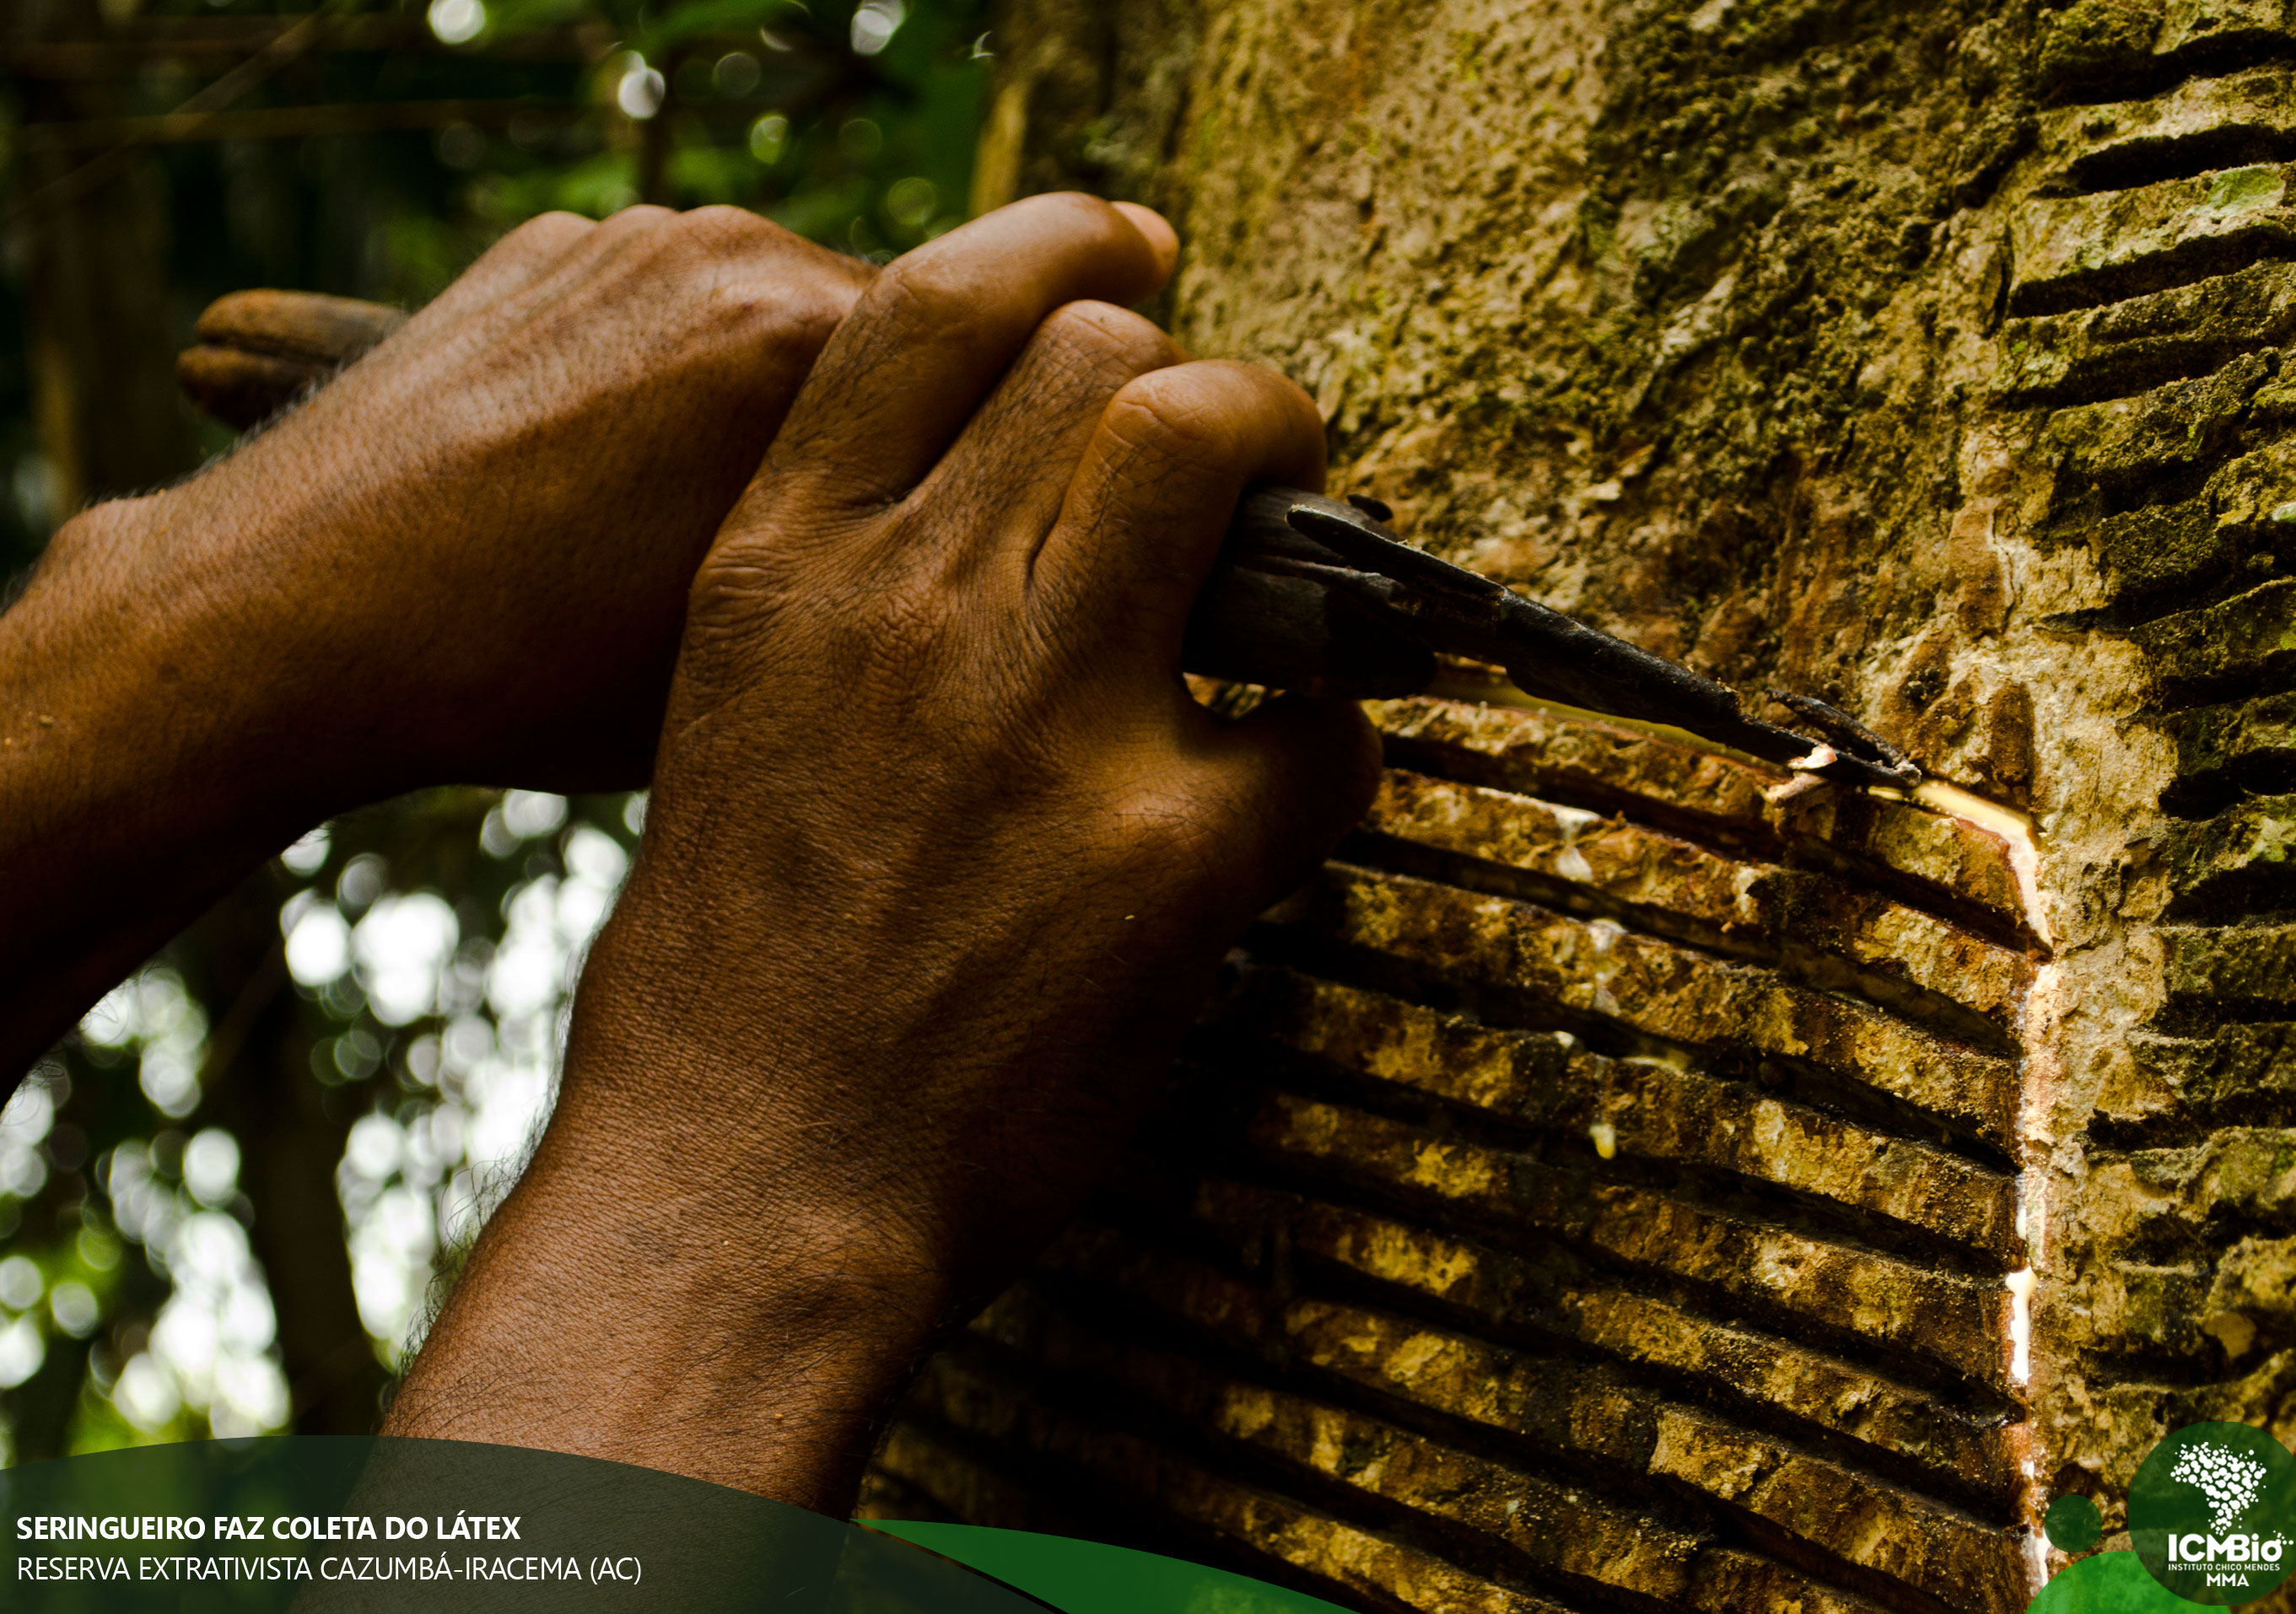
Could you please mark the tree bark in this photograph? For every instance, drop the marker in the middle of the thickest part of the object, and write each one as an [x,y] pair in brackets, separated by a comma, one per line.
[1623,1180]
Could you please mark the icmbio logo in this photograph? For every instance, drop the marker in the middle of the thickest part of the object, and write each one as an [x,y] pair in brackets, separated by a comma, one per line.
[2212,1513]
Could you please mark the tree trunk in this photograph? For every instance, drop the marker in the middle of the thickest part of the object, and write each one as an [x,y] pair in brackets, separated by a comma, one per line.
[100,345]
[1624,1181]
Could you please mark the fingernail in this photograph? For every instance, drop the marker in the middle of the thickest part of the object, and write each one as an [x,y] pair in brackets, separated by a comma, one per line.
[1162,238]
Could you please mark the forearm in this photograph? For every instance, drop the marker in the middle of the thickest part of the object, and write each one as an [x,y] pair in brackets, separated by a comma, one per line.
[141,757]
[706,1290]
[766,1371]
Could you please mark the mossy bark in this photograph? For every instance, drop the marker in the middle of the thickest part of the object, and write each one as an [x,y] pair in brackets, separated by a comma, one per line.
[1624,1180]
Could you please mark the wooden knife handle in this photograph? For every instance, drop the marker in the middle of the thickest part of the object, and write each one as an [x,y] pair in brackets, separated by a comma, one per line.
[258,351]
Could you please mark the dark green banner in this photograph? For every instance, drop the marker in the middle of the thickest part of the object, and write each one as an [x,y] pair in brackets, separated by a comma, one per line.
[247,1527]
[318,1524]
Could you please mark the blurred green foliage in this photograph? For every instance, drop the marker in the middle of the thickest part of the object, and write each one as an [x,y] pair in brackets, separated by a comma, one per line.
[221,1199]
[812,113]
[872,153]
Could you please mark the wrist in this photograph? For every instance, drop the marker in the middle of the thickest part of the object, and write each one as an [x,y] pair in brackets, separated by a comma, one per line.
[148,672]
[699,1324]
[686,1277]
[143,769]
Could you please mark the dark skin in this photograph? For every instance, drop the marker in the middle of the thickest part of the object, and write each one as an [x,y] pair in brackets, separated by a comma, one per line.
[940,858]
[465,560]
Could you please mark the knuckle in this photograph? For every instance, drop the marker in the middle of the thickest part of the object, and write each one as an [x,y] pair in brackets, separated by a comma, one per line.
[641,218]
[907,630]
[742,593]
[553,224]
[1270,390]
[81,535]
[1107,337]
[906,315]
[822,284]
[778,322]
[746,277]
[925,289]
[1171,829]
[797,269]
[722,229]
[541,236]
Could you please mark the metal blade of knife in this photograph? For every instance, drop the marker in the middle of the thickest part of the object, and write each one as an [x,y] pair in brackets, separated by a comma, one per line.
[1317,594]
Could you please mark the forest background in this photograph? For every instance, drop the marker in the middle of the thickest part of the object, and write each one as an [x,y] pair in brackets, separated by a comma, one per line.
[230,1198]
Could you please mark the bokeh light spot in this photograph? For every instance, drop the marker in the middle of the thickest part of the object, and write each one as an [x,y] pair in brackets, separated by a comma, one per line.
[736,73]
[211,1166]
[22,1352]
[457,22]
[768,137]
[640,91]
[20,1284]
[911,202]
[73,1306]
[874,24]
[318,945]
[308,855]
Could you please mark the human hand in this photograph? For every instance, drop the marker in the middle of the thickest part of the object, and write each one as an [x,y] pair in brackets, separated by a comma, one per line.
[483,532]
[941,857]
[466,559]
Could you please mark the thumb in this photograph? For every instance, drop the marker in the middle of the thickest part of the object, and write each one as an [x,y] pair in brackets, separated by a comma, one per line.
[1293,777]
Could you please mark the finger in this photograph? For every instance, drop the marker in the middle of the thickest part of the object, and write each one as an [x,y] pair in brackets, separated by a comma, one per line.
[1290,780]
[1154,495]
[1016,455]
[937,328]
[1157,231]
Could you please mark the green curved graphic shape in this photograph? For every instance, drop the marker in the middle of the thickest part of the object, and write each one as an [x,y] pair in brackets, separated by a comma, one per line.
[2110,1583]
[1088,1577]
